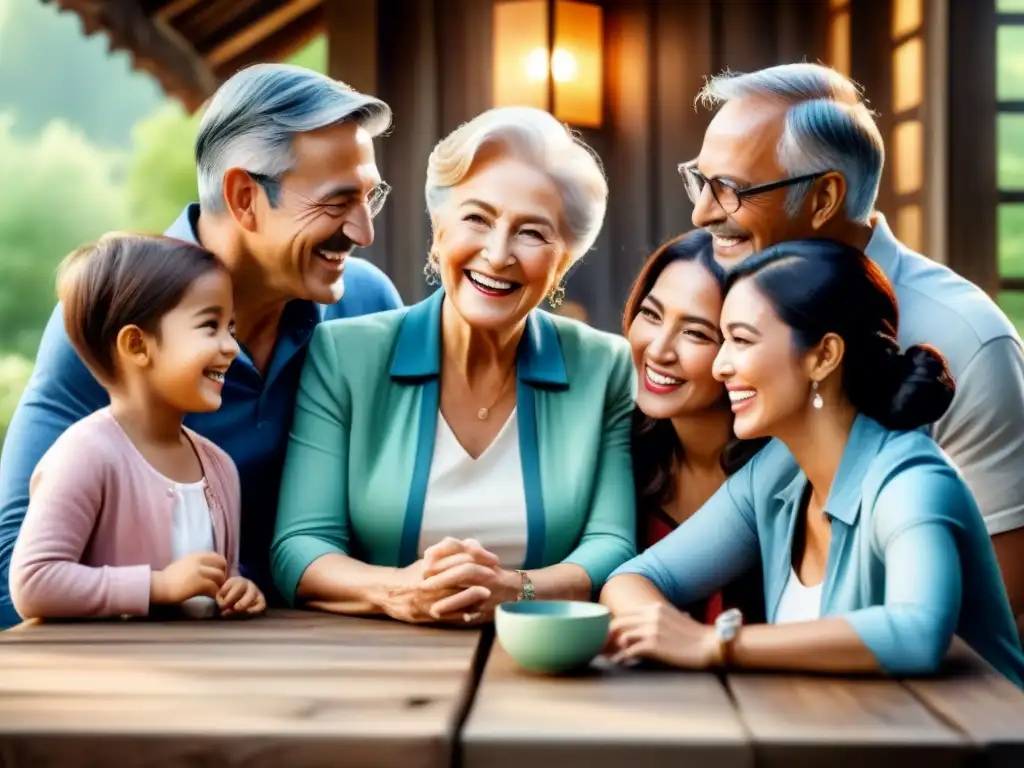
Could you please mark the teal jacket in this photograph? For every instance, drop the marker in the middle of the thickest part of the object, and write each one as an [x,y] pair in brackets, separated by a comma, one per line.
[358,461]
[910,563]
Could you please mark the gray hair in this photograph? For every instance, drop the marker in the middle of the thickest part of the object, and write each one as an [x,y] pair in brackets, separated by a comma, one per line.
[828,128]
[251,119]
[536,137]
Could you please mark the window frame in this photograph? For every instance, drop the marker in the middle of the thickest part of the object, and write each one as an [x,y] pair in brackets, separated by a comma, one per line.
[1004,107]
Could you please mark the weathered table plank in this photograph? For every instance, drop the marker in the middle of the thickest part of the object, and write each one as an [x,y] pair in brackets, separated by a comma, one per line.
[602,717]
[293,688]
[796,721]
[971,696]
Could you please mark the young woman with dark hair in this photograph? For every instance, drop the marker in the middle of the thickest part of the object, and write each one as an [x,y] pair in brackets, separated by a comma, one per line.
[874,552]
[682,443]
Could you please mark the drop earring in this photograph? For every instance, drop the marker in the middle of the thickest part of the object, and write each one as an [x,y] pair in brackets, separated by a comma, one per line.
[816,401]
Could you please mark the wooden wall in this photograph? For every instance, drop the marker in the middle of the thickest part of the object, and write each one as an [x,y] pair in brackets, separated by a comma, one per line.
[431,60]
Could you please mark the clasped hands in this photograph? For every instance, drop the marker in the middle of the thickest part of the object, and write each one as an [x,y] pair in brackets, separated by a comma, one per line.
[456,581]
[206,574]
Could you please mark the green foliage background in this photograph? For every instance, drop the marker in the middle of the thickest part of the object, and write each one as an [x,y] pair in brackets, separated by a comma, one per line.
[87,145]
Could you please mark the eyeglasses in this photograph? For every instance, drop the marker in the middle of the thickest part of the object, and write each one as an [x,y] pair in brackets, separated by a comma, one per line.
[728,194]
[375,198]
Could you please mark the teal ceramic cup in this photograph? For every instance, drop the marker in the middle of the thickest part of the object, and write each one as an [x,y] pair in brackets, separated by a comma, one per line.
[552,635]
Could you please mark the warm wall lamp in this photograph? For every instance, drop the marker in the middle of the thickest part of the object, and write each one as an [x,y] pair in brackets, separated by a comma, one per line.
[550,54]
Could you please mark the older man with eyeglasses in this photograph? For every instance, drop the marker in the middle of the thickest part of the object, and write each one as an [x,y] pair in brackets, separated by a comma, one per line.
[792,153]
[288,188]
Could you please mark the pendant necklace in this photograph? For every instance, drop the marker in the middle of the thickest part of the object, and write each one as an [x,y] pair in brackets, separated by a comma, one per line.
[483,413]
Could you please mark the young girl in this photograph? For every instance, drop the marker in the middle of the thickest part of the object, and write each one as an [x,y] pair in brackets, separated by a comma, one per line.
[129,509]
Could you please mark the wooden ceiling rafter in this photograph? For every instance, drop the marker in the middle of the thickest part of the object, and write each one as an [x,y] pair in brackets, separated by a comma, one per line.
[175,8]
[282,45]
[191,46]
[258,31]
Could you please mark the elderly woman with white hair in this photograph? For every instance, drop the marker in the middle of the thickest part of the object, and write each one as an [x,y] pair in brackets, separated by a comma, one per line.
[471,449]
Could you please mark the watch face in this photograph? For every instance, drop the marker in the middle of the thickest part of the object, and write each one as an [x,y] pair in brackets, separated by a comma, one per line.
[728,623]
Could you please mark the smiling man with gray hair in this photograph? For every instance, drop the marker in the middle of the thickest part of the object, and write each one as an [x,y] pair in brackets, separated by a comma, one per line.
[792,153]
[288,188]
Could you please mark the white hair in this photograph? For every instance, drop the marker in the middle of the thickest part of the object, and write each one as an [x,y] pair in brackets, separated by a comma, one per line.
[251,119]
[828,128]
[535,137]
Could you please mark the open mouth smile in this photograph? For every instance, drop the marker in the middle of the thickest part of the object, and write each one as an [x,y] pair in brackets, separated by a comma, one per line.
[335,257]
[660,383]
[491,286]
[741,398]
[215,375]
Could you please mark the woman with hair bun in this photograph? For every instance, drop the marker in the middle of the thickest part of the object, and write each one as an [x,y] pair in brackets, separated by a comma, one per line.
[874,551]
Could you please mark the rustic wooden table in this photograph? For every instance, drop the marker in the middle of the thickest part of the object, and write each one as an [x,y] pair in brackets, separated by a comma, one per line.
[306,689]
[287,689]
[648,718]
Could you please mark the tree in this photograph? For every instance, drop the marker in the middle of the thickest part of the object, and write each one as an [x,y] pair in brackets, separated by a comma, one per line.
[49,70]
[162,169]
[59,191]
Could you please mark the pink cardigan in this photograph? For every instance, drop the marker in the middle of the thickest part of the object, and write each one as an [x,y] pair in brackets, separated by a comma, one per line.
[99,521]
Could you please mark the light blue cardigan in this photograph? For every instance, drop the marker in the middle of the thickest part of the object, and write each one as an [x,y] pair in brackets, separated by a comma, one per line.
[910,563]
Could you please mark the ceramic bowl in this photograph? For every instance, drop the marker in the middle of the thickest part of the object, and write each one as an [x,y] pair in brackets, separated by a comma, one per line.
[552,636]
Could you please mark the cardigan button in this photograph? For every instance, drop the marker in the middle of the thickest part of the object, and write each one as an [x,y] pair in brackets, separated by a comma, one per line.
[170,491]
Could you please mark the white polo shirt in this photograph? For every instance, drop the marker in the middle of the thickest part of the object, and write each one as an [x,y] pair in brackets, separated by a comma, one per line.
[983,430]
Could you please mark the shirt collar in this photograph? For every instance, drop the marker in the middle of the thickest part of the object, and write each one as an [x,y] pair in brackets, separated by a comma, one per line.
[884,249]
[186,226]
[843,503]
[417,355]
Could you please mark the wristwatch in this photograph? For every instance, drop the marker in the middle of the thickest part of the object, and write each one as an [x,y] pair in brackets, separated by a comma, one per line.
[727,625]
[526,593]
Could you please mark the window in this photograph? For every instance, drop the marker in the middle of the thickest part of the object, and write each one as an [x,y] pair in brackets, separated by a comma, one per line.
[1010,157]
[907,142]
[839,35]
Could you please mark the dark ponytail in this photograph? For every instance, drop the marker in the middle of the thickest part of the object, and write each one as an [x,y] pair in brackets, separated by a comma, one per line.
[822,286]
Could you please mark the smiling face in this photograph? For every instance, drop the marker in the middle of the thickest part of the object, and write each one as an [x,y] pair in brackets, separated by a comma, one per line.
[322,209]
[767,378]
[499,242]
[186,361]
[674,339]
[741,146]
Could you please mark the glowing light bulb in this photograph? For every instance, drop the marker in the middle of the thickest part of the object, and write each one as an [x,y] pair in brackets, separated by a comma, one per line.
[537,64]
[563,65]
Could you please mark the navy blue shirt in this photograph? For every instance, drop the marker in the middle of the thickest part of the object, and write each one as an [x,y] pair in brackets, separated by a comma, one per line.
[252,423]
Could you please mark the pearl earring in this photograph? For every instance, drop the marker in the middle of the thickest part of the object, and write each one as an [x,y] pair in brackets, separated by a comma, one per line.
[816,401]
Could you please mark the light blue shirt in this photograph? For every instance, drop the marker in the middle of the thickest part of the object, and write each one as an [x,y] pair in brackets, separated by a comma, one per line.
[910,563]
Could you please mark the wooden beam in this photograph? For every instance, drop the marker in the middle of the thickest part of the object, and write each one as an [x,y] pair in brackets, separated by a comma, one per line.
[353,43]
[407,36]
[972,197]
[258,31]
[204,26]
[154,46]
[174,9]
[280,46]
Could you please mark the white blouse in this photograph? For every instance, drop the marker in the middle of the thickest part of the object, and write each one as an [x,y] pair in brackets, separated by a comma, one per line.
[799,603]
[192,531]
[481,498]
